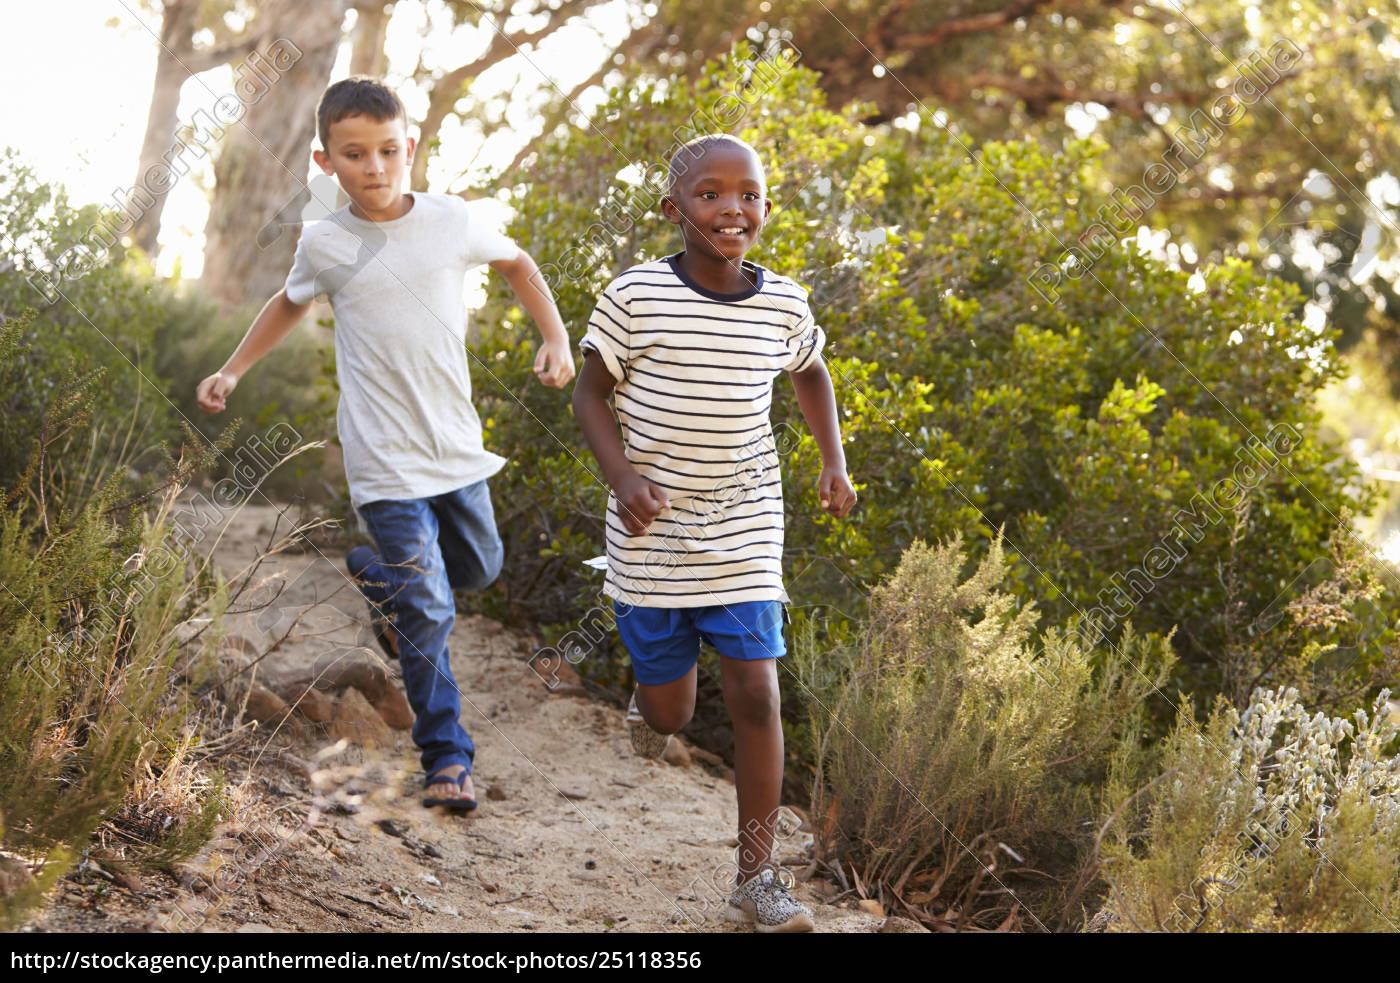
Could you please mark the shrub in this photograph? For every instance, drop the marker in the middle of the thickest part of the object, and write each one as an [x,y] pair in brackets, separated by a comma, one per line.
[103,320]
[92,591]
[294,386]
[92,587]
[153,340]
[956,756]
[1274,819]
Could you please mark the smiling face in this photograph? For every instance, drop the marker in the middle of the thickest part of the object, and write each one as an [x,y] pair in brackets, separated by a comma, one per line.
[368,157]
[720,201]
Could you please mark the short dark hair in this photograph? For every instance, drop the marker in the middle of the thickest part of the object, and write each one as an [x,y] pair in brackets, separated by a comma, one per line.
[693,150]
[359,95]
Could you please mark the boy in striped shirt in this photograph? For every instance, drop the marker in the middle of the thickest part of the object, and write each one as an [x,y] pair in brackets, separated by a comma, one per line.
[688,347]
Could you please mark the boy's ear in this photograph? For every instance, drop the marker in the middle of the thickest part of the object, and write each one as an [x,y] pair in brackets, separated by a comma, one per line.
[409,148]
[670,211]
[323,161]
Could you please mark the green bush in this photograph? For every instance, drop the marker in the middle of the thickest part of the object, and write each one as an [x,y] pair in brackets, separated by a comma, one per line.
[99,320]
[1274,819]
[92,592]
[92,587]
[293,386]
[957,754]
[153,340]
[1095,430]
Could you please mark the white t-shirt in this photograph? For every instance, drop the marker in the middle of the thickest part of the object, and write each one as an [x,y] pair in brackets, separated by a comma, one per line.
[694,375]
[406,421]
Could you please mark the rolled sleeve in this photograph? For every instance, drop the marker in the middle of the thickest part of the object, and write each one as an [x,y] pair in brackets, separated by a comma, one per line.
[610,332]
[805,343]
[300,287]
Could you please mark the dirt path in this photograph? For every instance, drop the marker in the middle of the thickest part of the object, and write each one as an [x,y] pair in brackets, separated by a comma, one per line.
[574,833]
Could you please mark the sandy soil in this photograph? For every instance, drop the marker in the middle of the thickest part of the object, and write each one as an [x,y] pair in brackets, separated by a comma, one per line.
[574,833]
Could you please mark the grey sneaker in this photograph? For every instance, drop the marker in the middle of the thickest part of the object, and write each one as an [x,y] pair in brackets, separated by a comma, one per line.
[645,741]
[764,900]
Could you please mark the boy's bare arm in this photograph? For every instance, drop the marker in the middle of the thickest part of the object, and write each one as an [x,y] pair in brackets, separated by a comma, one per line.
[554,363]
[817,400]
[639,501]
[273,323]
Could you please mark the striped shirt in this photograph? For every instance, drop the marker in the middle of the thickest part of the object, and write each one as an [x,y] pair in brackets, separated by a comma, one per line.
[694,374]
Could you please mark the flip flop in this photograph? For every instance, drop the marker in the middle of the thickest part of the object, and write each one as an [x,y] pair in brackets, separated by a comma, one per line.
[459,803]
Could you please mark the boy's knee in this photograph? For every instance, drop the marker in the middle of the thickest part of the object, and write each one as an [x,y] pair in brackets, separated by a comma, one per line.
[668,720]
[482,576]
[667,712]
[753,700]
[491,567]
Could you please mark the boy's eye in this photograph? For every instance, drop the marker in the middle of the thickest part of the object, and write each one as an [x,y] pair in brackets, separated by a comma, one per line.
[751,196]
[708,194]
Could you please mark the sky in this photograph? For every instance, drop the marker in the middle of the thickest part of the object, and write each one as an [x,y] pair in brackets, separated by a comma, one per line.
[84,129]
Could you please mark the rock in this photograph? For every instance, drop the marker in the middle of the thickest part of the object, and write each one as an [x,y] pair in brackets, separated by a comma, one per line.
[314,706]
[129,881]
[554,671]
[357,721]
[254,928]
[496,794]
[394,709]
[265,706]
[573,793]
[905,926]
[677,754]
[871,907]
[391,827]
[359,668]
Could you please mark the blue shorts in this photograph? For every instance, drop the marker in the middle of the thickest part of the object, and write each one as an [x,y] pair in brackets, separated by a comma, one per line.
[665,642]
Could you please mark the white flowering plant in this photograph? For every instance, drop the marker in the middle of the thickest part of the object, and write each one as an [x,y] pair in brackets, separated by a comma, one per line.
[1276,819]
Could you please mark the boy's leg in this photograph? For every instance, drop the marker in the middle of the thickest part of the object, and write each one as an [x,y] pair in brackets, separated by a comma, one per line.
[665,648]
[749,638]
[669,706]
[370,578]
[471,546]
[410,560]
[751,697]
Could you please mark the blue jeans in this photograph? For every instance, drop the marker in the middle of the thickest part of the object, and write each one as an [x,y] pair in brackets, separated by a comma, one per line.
[427,547]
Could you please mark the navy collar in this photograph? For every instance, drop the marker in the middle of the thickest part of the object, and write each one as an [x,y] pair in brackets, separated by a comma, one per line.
[752,268]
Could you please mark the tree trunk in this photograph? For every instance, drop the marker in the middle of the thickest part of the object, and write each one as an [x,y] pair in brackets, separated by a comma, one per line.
[367,55]
[176,42]
[262,167]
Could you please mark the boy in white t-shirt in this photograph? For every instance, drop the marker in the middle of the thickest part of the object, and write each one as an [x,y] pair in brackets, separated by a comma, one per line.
[393,265]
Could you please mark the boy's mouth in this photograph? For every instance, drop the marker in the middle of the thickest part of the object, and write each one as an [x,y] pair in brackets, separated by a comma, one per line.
[731,231]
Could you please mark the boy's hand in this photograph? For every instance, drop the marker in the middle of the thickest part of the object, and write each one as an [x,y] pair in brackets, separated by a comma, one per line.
[554,364]
[213,392]
[837,494]
[639,502]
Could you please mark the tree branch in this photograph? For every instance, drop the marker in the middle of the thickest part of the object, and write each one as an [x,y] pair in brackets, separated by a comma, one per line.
[1040,93]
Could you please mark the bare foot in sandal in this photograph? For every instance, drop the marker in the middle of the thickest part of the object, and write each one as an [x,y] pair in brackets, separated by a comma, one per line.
[454,790]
